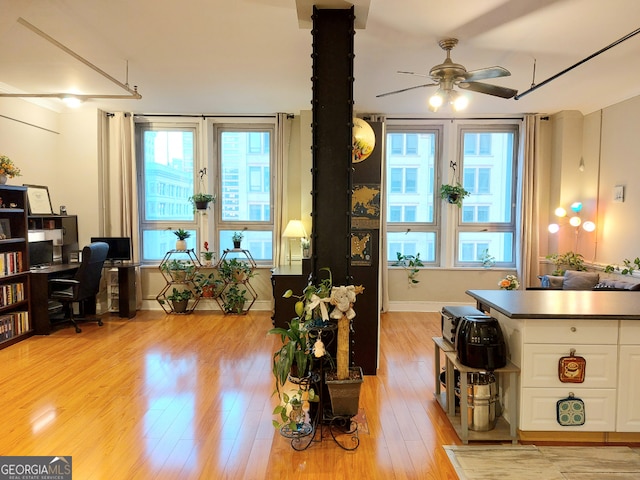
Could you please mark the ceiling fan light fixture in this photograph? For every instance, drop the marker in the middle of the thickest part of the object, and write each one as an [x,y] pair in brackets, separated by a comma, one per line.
[460,102]
[435,101]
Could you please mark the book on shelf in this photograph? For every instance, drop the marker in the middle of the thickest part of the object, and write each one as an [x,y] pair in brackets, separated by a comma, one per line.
[11,293]
[12,324]
[10,263]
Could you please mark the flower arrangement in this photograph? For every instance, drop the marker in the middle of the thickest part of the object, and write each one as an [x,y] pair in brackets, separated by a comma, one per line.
[510,282]
[207,254]
[8,168]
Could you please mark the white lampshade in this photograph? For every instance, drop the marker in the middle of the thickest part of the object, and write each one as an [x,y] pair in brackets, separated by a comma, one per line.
[294,229]
[554,228]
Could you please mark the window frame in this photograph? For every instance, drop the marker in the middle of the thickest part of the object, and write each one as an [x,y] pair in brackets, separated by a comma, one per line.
[433,227]
[221,225]
[161,225]
[497,227]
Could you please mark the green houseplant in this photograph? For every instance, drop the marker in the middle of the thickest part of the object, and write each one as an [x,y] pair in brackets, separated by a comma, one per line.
[178,270]
[237,239]
[410,263]
[181,243]
[235,271]
[179,299]
[233,299]
[566,261]
[201,201]
[453,194]
[207,285]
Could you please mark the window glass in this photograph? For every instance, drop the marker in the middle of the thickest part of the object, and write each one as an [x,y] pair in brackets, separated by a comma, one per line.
[166,156]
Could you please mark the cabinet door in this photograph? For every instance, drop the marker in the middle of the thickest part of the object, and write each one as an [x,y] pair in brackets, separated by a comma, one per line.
[539,409]
[629,389]
[540,365]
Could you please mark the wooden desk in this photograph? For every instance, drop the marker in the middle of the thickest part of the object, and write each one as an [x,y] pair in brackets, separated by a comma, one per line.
[39,294]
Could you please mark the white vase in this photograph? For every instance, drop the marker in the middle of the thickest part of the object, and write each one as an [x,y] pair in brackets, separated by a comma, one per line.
[3,179]
[181,245]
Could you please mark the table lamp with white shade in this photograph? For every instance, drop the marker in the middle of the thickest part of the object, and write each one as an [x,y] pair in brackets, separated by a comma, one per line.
[294,229]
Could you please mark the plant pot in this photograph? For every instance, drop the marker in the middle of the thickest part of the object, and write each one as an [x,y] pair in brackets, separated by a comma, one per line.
[179,306]
[201,205]
[181,245]
[345,394]
[208,291]
[453,198]
[179,275]
[236,244]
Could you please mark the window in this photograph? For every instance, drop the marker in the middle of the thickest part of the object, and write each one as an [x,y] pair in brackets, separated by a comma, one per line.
[411,160]
[166,156]
[245,166]
[418,160]
[487,218]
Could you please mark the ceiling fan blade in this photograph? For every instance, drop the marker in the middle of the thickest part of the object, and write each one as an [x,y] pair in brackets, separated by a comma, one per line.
[484,73]
[413,73]
[406,89]
[489,89]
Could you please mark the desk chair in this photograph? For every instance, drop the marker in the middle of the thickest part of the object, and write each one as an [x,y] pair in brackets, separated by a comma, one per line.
[85,284]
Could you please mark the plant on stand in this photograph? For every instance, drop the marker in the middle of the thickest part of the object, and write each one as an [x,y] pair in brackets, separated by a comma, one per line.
[207,255]
[237,239]
[179,299]
[181,243]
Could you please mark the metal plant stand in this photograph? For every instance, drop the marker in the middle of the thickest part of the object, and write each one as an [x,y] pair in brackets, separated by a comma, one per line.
[342,429]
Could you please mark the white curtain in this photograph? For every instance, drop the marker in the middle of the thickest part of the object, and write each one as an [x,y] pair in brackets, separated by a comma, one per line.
[283,141]
[119,192]
[530,194]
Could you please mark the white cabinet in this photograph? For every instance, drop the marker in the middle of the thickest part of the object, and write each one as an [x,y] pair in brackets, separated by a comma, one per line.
[539,409]
[629,377]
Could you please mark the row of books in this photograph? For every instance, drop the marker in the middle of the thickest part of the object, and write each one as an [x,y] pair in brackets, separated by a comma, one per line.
[10,262]
[12,324]
[11,293]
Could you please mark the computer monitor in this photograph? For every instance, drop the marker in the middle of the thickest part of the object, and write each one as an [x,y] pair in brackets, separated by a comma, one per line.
[40,253]
[119,248]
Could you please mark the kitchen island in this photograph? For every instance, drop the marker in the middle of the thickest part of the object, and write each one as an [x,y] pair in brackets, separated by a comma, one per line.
[542,326]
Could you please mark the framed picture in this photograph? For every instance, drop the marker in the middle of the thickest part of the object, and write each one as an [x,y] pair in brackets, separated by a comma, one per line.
[5,228]
[39,201]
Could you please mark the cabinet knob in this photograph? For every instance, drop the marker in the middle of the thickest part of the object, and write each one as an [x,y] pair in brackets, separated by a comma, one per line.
[574,329]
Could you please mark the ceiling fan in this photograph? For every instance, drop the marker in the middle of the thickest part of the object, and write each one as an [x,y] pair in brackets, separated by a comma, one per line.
[448,75]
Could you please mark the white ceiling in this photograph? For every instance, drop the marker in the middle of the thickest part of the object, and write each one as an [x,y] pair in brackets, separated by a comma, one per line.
[252,56]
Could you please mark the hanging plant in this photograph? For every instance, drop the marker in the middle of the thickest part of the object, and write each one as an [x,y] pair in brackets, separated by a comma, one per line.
[453,193]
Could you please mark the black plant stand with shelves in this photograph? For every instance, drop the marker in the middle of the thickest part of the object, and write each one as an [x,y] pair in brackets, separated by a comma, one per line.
[342,429]
[189,257]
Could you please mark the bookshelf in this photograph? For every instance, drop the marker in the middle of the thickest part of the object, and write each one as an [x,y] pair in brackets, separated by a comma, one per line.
[15,321]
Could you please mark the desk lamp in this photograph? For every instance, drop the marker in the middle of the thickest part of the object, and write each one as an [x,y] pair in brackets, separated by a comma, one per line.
[294,229]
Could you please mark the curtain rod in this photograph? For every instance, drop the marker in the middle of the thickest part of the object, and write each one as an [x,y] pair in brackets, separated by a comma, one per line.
[189,115]
[454,119]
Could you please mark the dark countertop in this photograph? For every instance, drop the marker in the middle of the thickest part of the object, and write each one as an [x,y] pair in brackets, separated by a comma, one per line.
[561,304]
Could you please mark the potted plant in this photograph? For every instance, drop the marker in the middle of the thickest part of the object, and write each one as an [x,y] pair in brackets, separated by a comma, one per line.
[207,286]
[305,243]
[179,299]
[410,263]
[487,259]
[237,239]
[179,270]
[7,169]
[207,255]
[290,412]
[453,193]
[233,299]
[235,271]
[201,201]
[181,243]
[567,261]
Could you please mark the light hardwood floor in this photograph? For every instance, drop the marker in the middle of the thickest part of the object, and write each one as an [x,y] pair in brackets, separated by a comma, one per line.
[189,397]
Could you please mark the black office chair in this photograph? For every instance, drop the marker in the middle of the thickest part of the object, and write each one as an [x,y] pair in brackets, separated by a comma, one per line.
[83,287]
